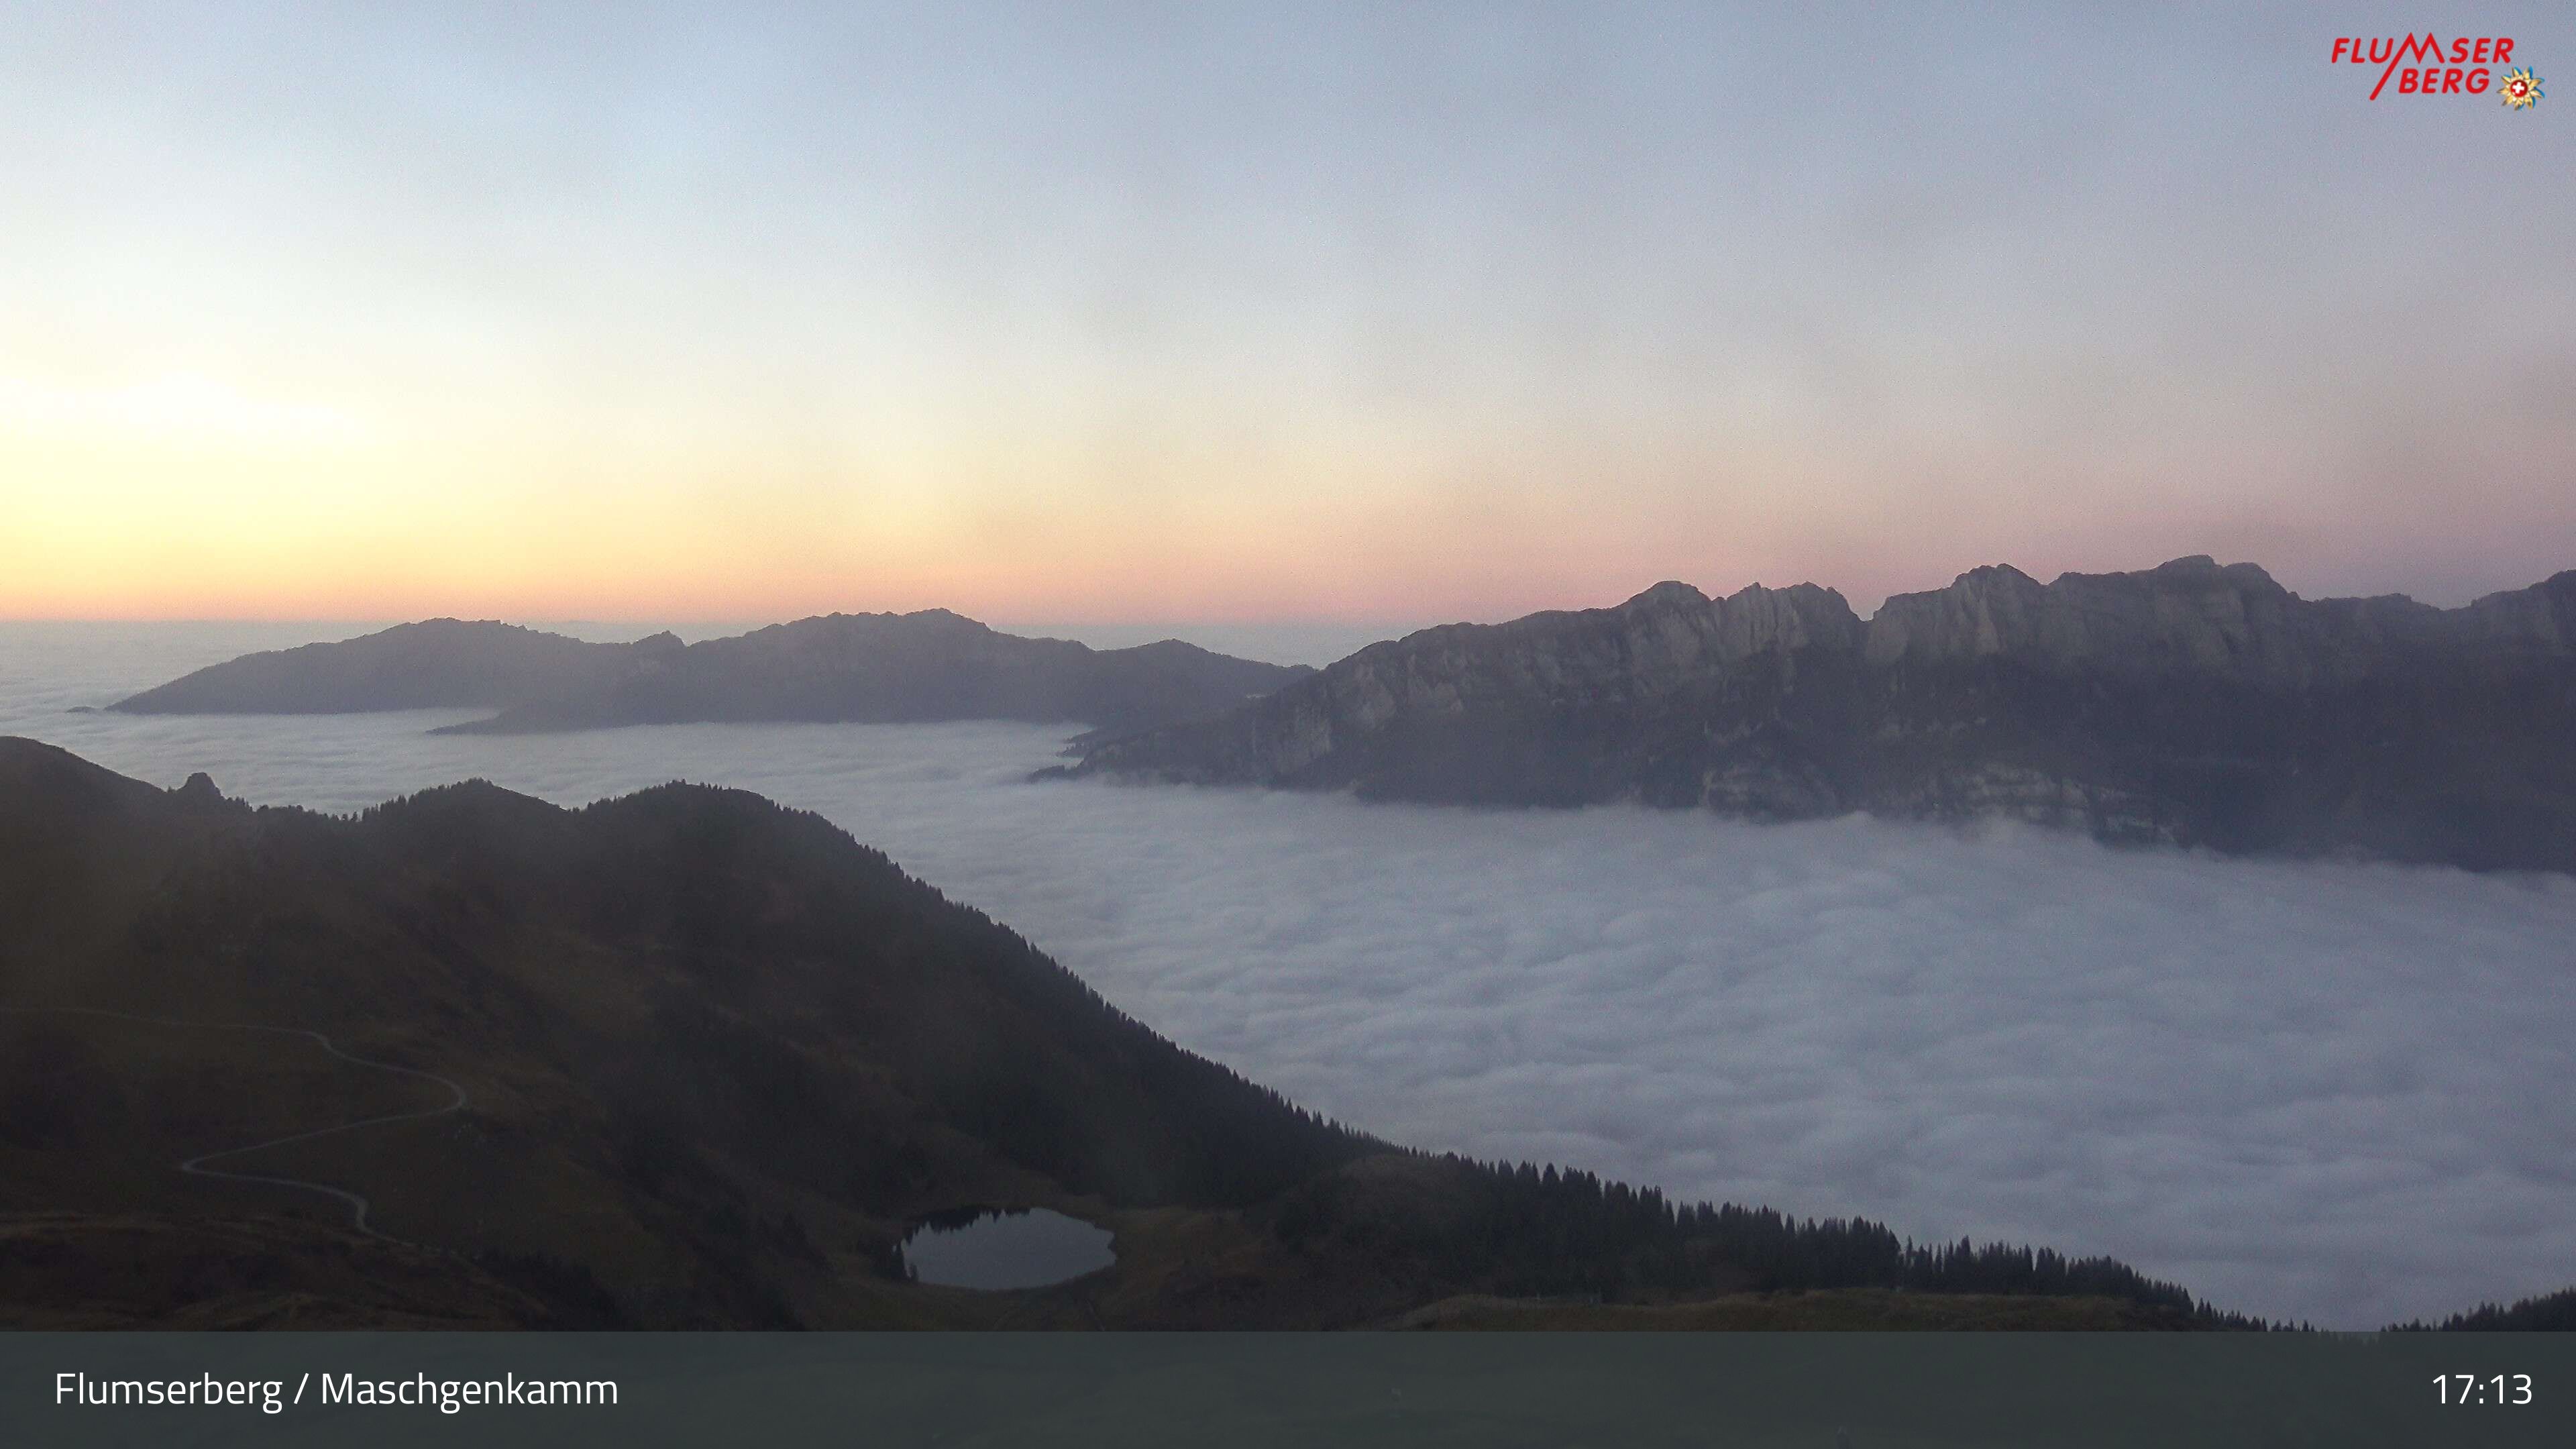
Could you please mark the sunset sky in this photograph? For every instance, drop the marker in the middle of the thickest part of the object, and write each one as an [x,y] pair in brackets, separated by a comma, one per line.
[1141,313]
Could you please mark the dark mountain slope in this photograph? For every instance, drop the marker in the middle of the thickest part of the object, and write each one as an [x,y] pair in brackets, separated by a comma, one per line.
[2191,704]
[705,920]
[717,1057]
[434,664]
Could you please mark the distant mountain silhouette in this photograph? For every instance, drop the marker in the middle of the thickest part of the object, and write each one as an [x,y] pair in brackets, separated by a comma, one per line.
[434,664]
[715,1058]
[2192,704]
[902,668]
[875,668]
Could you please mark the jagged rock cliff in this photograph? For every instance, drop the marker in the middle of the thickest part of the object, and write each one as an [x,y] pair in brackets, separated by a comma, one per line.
[2192,704]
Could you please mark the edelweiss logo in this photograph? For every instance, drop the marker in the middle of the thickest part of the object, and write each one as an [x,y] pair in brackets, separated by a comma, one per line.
[2425,67]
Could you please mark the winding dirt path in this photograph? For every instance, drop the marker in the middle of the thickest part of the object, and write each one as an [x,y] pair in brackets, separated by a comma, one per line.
[196,1166]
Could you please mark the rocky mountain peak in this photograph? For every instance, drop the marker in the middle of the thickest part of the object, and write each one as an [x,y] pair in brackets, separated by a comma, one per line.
[941,618]
[1989,577]
[2201,571]
[2194,701]
[1670,594]
[1984,611]
[2187,613]
[200,797]
[1754,619]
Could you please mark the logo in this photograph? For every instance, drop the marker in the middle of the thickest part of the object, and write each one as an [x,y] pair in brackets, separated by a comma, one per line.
[2424,66]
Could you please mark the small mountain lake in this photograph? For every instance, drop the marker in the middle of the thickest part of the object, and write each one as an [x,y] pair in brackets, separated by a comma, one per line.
[998,1249]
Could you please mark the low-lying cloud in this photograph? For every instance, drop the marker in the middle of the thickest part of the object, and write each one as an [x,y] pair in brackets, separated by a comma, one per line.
[2323,1091]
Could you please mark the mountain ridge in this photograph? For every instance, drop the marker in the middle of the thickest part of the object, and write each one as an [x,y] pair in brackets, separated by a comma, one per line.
[2190,704]
[929,665]
[427,664]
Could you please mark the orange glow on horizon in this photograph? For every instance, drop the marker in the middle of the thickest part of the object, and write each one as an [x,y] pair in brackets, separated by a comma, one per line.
[687,317]
[191,500]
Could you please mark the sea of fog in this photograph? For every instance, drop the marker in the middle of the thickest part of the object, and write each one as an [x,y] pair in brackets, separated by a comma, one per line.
[2329,1092]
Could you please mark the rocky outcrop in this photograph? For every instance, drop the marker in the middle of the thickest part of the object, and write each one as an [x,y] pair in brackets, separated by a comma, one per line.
[1627,657]
[2192,703]
[2192,616]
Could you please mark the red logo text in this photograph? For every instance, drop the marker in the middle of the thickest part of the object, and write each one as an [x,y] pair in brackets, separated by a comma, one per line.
[2424,66]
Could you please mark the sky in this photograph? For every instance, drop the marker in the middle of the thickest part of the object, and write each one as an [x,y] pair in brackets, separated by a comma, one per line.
[1264,314]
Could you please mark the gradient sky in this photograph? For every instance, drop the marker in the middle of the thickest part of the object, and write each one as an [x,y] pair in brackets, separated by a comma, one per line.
[1138,313]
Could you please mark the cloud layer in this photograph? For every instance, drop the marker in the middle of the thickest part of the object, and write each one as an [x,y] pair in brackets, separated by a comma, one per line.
[2326,1091]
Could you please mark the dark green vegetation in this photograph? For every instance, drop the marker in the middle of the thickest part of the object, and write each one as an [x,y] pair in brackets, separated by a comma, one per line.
[876,668]
[2188,704]
[719,1057]
[2548,1313]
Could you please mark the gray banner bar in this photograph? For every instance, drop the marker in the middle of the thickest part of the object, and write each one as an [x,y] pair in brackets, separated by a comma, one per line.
[1811,1391]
